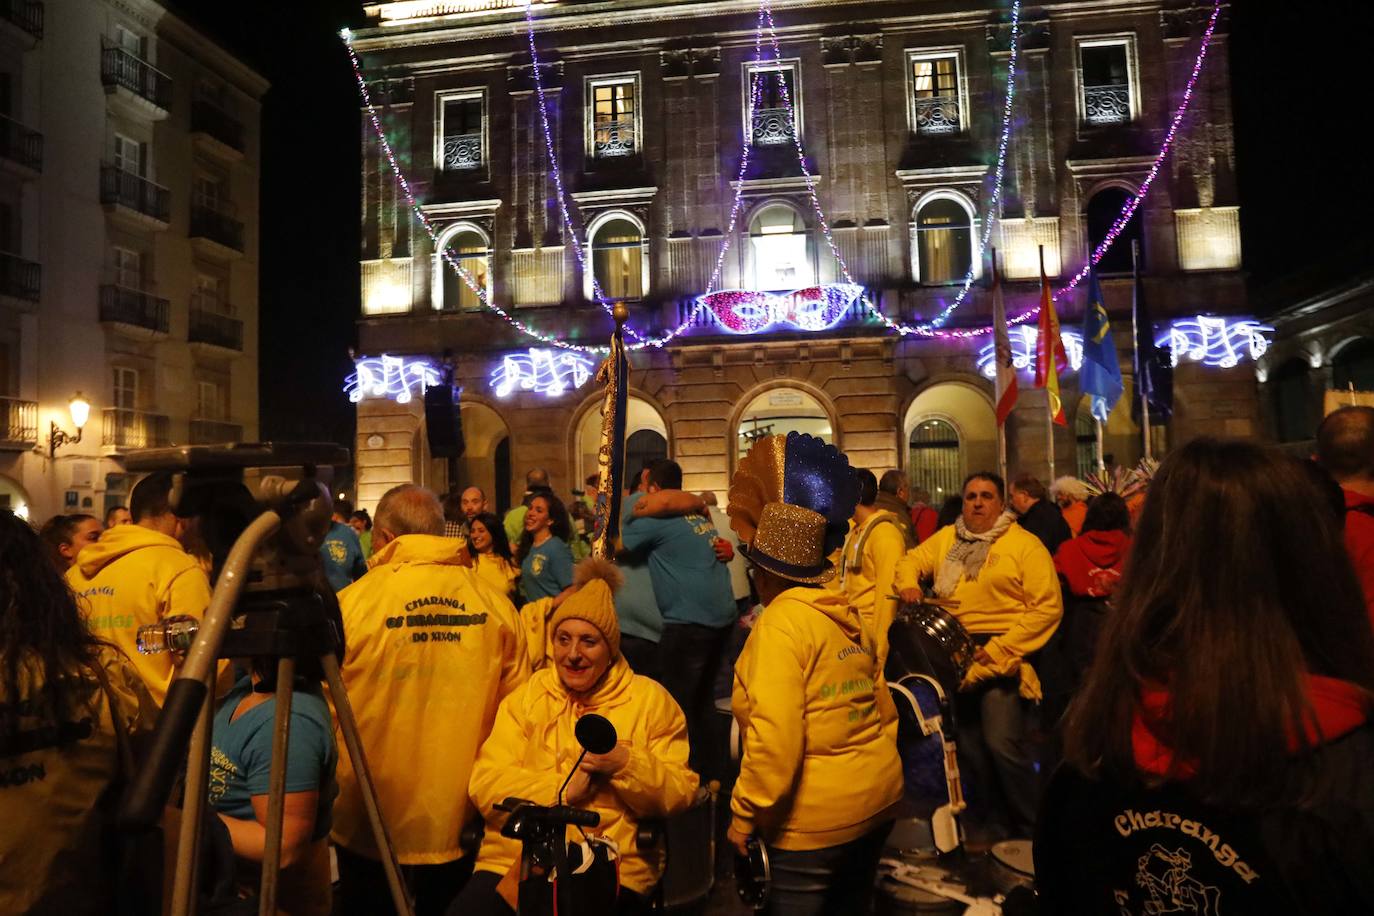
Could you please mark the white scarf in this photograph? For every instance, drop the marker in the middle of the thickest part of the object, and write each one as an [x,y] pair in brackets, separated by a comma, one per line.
[967,555]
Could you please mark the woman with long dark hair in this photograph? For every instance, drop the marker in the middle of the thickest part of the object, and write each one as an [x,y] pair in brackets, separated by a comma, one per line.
[69,704]
[545,558]
[65,535]
[491,553]
[1219,756]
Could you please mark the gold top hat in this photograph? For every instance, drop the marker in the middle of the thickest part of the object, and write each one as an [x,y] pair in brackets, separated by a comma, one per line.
[790,542]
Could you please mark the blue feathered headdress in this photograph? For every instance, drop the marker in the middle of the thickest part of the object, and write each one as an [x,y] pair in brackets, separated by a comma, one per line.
[798,470]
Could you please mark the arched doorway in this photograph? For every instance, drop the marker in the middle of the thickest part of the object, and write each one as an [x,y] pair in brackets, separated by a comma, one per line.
[950,431]
[484,463]
[779,411]
[13,497]
[1353,364]
[646,438]
[1295,413]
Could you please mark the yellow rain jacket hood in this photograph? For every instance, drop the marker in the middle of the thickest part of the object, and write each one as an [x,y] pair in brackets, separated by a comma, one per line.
[532,749]
[820,767]
[432,650]
[134,576]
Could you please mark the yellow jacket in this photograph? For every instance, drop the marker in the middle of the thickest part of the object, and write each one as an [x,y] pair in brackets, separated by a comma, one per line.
[868,569]
[1016,597]
[431,652]
[499,574]
[820,767]
[532,749]
[534,620]
[134,576]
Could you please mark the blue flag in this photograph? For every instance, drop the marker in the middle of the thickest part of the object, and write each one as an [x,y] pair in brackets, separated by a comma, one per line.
[1100,375]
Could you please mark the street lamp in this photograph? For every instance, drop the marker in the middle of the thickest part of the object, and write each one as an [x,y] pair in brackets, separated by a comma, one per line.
[80,410]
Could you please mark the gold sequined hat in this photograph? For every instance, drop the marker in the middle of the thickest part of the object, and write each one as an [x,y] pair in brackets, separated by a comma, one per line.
[790,503]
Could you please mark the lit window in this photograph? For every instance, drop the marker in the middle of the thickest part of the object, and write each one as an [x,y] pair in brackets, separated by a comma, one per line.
[944,242]
[936,104]
[614,113]
[778,241]
[469,248]
[460,132]
[778,106]
[936,459]
[618,259]
[1106,67]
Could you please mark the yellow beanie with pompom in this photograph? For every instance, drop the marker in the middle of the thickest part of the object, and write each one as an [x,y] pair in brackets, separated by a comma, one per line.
[595,581]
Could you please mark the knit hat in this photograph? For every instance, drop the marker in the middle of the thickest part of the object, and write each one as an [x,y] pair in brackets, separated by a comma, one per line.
[595,581]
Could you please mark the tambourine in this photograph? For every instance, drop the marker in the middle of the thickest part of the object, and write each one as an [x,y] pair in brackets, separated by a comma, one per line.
[753,874]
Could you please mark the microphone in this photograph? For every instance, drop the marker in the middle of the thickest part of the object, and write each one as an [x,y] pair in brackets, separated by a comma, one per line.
[597,735]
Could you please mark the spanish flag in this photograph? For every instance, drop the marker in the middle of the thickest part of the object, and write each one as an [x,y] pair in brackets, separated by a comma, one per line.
[1050,358]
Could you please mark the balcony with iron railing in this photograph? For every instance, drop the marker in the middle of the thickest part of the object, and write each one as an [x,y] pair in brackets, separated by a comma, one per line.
[215,225]
[123,70]
[1107,104]
[219,125]
[21,147]
[938,115]
[25,14]
[772,126]
[214,432]
[20,279]
[126,429]
[135,194]
[18,424]
[611,139]
[134,309]
[215,329]
[462,152]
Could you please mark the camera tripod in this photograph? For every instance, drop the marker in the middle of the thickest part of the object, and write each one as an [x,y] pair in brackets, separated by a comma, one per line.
[281,616]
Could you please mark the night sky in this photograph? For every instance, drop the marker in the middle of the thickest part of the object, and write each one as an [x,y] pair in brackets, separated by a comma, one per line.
[1304,190]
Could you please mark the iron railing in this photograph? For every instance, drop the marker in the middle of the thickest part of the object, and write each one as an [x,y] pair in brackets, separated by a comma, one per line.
[217,226]
[19,278]
[119,67]
[938,114]
[210,119]
[134,307]
[134,429]
[772,126]
[18,421]
[214,432]
[27,14]
[135,192]
[463,151]
[613,138]
[1109,104]
[213,328]
[21,144]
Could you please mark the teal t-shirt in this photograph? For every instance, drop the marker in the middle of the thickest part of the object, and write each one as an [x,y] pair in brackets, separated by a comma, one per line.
[690,584]
[344,561]
[546,570]
[241,754]
[635,606]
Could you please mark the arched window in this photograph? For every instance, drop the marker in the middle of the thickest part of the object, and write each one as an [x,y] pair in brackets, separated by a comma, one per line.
[646,438]
[1353,364]
[944,242]
[468,246]
[778,246]
[1103,211]
[618,257]
[935,464]
[641,447]
[1291,393]
[779,411]
[1085,440]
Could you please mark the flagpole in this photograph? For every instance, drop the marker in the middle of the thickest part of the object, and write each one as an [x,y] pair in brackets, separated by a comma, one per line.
[1001,427]
[1049,401]
[1135,342]
[1101,459]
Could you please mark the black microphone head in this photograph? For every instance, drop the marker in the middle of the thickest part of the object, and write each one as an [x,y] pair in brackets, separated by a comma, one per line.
[595,733]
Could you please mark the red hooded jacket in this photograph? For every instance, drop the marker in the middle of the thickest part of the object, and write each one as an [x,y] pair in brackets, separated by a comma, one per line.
[1091,563]
[1359,542]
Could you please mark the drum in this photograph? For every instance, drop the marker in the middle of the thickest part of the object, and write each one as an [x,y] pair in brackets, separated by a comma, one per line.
[691,853]
[1013,865]
[753,875]
[897,899]
[927,639]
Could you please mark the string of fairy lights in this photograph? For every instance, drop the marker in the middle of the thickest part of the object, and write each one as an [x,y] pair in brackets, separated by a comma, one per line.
[765,21]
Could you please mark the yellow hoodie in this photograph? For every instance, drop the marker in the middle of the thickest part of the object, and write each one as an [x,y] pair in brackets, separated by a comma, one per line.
[134,576]
[820,767]
[868,567]
[431,651]
[1016,597]
[532,749]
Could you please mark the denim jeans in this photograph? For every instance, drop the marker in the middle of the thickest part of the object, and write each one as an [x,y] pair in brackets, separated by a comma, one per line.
[689,655]
[996,757]
[642,655]
[364,891]
[821,882]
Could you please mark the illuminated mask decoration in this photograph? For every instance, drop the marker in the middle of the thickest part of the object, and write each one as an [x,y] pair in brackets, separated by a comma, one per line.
[390,377]
[1022,339]
[546,372]
[1219,342]
[815,308]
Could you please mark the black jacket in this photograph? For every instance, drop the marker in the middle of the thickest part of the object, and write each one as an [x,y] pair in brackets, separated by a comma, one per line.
[1045,521]
[1105,848]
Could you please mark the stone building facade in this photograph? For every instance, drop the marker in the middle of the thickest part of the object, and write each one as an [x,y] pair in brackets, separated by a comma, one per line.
[899,108]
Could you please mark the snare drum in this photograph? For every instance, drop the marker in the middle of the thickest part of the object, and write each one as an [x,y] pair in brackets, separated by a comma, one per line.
[926,639]
[1013,865]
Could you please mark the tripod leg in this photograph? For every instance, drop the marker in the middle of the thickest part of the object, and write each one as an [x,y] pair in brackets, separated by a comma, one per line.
[276,797]
[349,726]
[193,808]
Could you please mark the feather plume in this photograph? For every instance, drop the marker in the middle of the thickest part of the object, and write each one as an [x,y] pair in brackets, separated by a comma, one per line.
[818,477]
[757,481]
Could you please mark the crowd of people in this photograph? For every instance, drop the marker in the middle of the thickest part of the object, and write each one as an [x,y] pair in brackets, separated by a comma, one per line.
[1170,687]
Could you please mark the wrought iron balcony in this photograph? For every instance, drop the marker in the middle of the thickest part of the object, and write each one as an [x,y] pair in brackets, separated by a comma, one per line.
[134,192]
[214,432]
[21,145]
[217,226]
[134,429]
[20,279]
[937,115]
[214,121]
[613,138]
[215,329]
[18,423]
[120,305]
[120,69]
[1107,104]
[27,14]
[462,152]
[772,126]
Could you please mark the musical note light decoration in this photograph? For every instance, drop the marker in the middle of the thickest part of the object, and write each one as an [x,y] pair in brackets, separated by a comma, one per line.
[390,377]
[546,372]
[1218,342]
[1022,339]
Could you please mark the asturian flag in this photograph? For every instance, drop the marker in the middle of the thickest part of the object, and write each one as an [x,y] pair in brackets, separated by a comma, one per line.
[1006,372]
[1100,375]
[1050,358]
